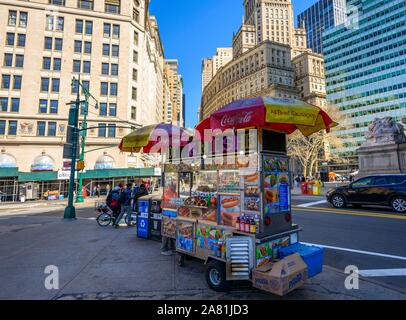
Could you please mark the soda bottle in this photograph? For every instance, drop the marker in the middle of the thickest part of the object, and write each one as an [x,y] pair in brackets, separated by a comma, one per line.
[247,225]
[237,224]
[242,224]
[253,226]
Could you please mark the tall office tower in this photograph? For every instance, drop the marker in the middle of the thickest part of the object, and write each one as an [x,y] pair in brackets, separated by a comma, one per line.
[207,71]
[243,40]
[175,84]
[320,17]
[222,57]
[365,66]
[273,20]
[114,45]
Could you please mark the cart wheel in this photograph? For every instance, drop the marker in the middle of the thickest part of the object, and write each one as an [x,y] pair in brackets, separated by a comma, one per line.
[181,260]
[216,276]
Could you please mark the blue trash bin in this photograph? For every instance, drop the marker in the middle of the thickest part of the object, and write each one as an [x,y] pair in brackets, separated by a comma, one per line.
[312,256]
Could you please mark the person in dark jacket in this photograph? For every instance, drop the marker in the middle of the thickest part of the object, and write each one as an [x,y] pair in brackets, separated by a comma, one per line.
[125,204]
[113,201]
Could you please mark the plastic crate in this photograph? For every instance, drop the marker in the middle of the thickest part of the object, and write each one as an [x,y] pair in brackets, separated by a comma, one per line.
[312,256]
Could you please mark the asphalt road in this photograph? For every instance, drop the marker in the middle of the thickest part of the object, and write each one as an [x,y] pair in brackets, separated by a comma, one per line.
[378,231]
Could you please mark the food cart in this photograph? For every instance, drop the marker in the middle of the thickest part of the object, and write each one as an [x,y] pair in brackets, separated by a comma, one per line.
[234,215]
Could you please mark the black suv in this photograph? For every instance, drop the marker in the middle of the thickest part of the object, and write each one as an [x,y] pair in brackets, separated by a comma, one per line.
[384,190]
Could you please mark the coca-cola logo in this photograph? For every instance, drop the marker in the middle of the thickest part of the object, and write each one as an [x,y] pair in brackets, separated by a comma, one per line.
[239,118]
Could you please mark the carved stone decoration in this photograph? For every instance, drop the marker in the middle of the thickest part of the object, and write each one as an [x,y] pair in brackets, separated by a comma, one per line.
[26,128]
[62,128]
[384,131]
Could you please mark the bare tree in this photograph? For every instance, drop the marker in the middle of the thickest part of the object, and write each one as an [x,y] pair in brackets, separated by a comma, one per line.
[309,150]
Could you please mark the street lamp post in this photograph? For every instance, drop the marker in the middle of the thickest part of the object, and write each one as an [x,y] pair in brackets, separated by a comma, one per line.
[83,131]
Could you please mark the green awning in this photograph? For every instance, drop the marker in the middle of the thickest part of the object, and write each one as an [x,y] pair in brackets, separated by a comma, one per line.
[8,172]
[37,176]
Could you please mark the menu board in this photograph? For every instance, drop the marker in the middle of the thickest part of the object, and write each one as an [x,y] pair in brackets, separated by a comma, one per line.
[170,191]
[184,236]
[276,184]
[168,227]
[230,209]
[229,181]
[252,192]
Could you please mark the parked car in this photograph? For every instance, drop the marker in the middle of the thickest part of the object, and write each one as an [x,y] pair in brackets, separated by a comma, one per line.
[384,190]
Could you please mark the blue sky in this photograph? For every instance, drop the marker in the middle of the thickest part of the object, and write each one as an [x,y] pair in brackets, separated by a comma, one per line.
[193,29]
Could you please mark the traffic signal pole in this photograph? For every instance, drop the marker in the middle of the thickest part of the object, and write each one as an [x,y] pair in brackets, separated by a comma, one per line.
[83,133]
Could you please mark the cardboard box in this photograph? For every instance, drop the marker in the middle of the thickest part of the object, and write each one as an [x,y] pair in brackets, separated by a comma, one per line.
[281,277]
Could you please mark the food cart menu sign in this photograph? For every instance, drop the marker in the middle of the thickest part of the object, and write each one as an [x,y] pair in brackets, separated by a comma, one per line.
[276,184]
[184,236]
[230,209]
[207,237]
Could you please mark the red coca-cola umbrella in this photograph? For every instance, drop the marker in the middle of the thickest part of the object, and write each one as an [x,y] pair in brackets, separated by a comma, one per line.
[282,115]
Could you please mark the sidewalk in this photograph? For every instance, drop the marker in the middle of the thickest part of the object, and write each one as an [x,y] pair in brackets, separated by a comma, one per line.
[108,263]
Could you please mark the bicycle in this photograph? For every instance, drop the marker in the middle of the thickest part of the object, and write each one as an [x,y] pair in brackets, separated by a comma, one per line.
[105,218]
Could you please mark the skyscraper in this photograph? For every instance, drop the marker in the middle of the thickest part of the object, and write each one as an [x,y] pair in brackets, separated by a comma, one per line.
[320,17]
[365,66]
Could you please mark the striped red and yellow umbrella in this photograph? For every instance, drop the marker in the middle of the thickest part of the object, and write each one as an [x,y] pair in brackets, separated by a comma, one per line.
[155,138]
[283,115]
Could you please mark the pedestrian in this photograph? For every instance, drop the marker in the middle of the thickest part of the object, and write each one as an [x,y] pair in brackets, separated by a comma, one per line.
[168,246]
[303,179]
[94,191]
[134,194]
[297,179]
[125,204]
[147,185]
[108,189]
[98,190]
[113,202]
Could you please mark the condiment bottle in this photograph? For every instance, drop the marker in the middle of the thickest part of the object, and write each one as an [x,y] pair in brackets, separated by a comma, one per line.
[237,224]
[247,225]
[242,224]
[253,226]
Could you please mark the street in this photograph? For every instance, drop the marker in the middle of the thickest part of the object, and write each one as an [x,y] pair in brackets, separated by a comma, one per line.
[108,263]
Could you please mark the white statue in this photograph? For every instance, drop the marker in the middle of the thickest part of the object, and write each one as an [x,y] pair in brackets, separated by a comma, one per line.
[384,131]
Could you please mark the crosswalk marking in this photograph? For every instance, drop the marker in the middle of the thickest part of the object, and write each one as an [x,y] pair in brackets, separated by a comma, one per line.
[310,204]
[382,273]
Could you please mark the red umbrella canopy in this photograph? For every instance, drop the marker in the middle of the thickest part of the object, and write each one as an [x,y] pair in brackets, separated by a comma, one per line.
[283,115]
[155,138]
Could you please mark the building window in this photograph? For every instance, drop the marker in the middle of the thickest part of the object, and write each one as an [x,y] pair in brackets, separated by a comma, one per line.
[112,109]
[21,40]
[75,86]
[22,23]
[46,63]
[106,49]
[55,85]
[105,68]
[57,2]
[4,104]
[107,30]
[79,26]
[78,46]
[2,127]
[53,106]
[12,127]
[103,109]
[76,66]
[135,56]
[41,128]
[15,104]
[58,44]
[86,85]
[136,15]
[136,38]
[86,67]
[113,89]
[12,18]
[135,74]
[104,90]
[51,129]
[43,106]
[10,39]
[102,130]
[54,23]
[48,43]
[44,84]
[8,60]
[89,27]
[115,50]
[19,63]
[116,31]
[111,131]
[17,82]
[85,4]
[88,47]
[57,64]
[134,93]
[114,69]
[112,6]
[133,113]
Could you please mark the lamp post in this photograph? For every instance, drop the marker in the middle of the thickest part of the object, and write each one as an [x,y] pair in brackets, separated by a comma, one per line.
[83,134]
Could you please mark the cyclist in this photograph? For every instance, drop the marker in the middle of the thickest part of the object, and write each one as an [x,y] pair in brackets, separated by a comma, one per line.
[113,201]
[125,203]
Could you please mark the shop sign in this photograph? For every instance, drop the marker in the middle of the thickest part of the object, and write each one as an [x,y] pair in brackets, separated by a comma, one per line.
[65,175]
